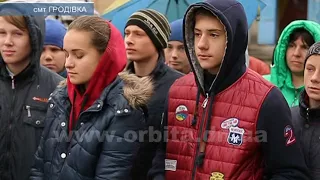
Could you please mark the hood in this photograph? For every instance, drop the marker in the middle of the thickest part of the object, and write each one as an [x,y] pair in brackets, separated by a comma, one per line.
[36,27]
[136,90]
[111,63]
[280,73]
[233,63]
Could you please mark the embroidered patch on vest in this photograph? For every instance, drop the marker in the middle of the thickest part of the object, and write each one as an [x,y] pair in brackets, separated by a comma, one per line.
[231,122]
[217,176]
[170,165]
[235,136]
[181,113]
[288,133]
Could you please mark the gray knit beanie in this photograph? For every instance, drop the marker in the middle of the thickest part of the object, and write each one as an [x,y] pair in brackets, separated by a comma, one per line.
[313,50]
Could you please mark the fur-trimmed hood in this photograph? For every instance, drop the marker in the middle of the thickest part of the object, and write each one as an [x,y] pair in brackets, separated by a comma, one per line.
[136,90]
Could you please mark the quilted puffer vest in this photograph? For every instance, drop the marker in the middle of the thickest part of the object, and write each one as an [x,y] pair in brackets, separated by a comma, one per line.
[232,150]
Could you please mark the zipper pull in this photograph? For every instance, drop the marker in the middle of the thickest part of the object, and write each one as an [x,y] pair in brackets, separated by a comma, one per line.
[29,112]
[12,83]
[205,102]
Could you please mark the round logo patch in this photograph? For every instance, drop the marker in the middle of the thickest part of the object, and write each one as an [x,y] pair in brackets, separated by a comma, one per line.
[181,113]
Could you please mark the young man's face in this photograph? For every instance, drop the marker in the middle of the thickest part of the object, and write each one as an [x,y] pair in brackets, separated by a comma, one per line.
[209,41]
[53,58]
[312,77]
[139,46]
[295,56]
[14,43]
[176,56]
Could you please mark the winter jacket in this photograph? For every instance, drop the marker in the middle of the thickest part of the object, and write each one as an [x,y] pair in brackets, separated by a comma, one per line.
[306,123]
[103,139]
[23,105]
[212,120]
[163,76]
[280,73]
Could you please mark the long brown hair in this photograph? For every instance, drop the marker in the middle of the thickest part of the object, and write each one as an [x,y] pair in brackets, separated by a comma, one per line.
[98,28]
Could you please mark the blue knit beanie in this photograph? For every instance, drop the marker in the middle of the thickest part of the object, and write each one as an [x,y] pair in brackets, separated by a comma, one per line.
[176,30]
[55,32]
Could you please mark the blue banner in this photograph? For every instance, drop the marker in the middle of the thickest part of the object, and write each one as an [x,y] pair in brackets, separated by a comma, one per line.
[46,9]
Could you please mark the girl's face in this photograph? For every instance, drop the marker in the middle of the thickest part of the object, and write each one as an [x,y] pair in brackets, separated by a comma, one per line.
[82,57]
[14,43]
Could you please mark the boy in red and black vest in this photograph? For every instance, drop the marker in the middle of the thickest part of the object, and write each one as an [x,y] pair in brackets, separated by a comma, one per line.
[225,121]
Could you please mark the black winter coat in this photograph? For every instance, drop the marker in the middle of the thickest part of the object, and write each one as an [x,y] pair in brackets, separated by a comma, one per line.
[23,106]
[306,123]
[163,77]
[106,137]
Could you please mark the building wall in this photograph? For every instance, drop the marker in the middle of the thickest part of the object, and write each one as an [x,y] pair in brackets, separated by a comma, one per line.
[314,10]
[279,13]
[101,5]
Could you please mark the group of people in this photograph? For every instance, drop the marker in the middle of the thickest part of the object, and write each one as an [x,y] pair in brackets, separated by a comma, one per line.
[161,101]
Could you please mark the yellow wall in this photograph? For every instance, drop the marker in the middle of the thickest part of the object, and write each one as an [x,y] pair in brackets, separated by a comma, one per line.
[101,5]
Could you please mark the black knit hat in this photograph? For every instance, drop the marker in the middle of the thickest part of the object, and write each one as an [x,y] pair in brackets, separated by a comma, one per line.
[313,50]
[154,24]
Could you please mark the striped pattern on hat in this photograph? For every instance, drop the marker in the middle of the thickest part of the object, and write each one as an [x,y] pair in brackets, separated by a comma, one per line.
[313,50]
[154,24]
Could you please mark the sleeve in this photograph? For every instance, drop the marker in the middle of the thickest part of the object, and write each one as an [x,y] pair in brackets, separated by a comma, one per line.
[120,146]
[283,156]
[157,171]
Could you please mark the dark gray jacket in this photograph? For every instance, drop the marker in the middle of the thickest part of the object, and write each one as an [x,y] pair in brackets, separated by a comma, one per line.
[163,77]
[306,123]
[105,140]
[23,107]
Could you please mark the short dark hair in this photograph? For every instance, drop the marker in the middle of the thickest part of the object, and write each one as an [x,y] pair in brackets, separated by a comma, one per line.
[305,35]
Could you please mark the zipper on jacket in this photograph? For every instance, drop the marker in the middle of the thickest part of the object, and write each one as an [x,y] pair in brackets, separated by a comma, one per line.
[307,116]
[28,110]
[12,83]
[204,113]
[11,119]
[13,101]
[205,102]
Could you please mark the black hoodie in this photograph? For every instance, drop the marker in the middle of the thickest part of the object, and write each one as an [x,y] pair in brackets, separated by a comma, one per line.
[282,162]
[23,106]
[306,122]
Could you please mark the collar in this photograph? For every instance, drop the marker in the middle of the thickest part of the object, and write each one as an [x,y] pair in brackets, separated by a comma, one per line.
[27,73]
[311,115]
[10,72]
[157,72]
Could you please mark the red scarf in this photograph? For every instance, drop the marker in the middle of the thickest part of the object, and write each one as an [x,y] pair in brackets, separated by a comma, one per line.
[111,63]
